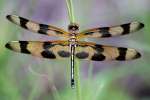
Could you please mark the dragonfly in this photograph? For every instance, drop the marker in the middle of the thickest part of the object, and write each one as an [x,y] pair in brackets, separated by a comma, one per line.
[71,46]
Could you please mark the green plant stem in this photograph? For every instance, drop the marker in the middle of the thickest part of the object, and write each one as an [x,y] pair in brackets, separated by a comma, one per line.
[77,80]
[70,11]
[90,72]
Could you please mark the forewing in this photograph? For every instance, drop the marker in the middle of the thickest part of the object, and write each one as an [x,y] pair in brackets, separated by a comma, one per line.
[36,27]
[103,32]
[96,52]
[48,49]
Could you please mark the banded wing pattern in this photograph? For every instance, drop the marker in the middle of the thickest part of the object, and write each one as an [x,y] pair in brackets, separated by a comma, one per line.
[47,49]
[103,32]
[96,52]
[37,27]
[84,50]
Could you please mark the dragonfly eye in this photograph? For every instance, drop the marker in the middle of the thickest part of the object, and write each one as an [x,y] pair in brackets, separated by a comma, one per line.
[73,27]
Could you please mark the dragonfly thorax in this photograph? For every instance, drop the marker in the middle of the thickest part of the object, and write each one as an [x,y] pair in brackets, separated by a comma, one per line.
[73,29]
[73,40]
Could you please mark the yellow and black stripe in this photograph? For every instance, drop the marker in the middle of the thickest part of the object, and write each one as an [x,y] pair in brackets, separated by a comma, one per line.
[51,50]
[96,52]
[84,50]
[104,32]
[37,27]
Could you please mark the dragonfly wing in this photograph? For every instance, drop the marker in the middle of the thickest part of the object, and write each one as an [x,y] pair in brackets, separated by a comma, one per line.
[84,50]
[96,52]
[112,31]
[48,49]
[36,27]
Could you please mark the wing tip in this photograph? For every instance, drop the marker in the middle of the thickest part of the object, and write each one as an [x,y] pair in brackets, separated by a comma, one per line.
[138,55]
[8,46]
[141,25]
[9,17]
[13,18]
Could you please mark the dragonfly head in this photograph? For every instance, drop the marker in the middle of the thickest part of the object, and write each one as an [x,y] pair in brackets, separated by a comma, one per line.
[73,28]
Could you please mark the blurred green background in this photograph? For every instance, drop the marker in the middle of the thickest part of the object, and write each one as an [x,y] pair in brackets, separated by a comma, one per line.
[23,77]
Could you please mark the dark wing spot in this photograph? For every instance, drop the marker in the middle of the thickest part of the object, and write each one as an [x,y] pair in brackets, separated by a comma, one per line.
[48,45]
[43,29]
[138,55]
[23,22]
[126,28]
[105,32]
[122,54]
[82,55]
[88,33]
[98,48]
[48,54]
[8,46]
[98,57]
[9,17]
[23,47]
[141,26]
[64,53]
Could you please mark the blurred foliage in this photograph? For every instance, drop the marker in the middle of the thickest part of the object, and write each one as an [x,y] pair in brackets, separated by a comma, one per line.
[23,77]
